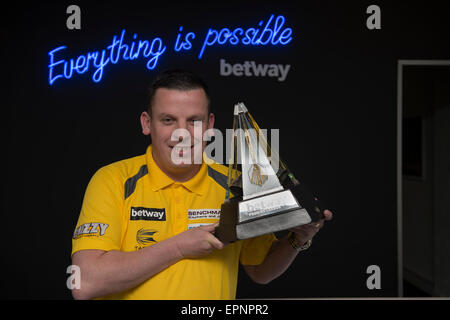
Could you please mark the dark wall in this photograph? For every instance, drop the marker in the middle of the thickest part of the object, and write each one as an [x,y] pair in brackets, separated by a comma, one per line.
[336,112]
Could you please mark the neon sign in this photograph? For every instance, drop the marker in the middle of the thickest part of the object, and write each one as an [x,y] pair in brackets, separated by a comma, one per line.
[251,36]
[273,33]
[98,60]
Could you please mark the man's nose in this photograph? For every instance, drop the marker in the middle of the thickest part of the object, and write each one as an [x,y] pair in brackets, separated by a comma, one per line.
[182,132]
[181,124]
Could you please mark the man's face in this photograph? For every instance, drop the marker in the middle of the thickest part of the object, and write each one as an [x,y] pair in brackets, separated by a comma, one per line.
[174,116]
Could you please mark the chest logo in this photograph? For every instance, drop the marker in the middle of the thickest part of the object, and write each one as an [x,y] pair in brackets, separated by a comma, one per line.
[145,236]
[194,214]
[149,214]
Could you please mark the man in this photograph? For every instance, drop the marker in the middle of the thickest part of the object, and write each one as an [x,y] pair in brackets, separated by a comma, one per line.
[146,228]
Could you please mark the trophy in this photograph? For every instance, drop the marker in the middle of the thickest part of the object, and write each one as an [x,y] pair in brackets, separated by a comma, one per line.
[263,196]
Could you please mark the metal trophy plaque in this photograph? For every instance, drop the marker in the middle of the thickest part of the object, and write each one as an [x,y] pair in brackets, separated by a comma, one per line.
[261,197]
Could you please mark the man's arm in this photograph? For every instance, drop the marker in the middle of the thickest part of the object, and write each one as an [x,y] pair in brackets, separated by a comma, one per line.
[107,272]
[281,254]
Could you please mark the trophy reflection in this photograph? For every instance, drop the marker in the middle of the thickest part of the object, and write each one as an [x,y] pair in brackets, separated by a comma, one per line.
[262,196]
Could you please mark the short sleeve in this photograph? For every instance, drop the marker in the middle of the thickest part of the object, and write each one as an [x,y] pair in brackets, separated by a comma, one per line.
[99,225]
[254,250]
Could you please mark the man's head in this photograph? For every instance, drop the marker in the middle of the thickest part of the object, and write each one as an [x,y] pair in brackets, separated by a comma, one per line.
[177,117]
[177,79]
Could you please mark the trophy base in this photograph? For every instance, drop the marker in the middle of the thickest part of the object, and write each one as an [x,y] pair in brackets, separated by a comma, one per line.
[238,223]
[278,222]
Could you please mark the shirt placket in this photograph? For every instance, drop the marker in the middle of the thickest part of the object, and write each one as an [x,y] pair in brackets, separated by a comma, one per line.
[179,206]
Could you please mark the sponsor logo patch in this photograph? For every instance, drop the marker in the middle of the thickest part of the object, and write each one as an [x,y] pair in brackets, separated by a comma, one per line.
[202,214]
[149,214]
[90,229]
[145,236]
[195,225]
[194,214]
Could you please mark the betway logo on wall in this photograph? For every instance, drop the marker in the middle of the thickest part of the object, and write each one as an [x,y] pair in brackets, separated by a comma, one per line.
[253,69]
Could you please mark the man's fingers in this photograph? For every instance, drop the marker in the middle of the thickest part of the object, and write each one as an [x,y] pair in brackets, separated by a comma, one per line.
[303,228]
[216,243]
[308,231]
[328,214]
[209,227]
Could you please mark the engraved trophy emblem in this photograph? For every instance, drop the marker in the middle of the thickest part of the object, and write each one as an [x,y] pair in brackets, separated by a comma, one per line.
[262,196]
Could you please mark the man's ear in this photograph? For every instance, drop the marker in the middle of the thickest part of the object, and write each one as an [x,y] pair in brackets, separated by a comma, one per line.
[145,123]
[211,119]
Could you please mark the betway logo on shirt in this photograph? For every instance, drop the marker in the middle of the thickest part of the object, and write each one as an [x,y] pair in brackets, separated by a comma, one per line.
[149,214]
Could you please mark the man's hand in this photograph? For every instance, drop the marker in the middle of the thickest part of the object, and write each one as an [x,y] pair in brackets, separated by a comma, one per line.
[308,231]
[198,242]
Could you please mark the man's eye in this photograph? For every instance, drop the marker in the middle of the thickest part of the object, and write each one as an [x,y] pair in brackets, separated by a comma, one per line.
[166,120]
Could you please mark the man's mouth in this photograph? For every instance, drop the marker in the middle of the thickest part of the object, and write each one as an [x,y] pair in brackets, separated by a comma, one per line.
[180,150]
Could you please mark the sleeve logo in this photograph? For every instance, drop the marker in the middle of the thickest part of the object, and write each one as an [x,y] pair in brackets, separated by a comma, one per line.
[90,229]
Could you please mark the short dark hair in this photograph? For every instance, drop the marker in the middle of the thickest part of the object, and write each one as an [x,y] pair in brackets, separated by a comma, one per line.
[178,79]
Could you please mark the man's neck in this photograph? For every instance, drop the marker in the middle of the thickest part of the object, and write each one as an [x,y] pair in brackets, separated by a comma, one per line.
[182,175]
[178,174]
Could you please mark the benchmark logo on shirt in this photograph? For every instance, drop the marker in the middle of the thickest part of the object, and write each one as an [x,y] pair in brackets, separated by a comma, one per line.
[213,215]
[149,214]
[194,214]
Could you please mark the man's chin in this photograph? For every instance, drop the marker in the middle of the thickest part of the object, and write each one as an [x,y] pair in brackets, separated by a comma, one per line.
[185,161]
[181,164]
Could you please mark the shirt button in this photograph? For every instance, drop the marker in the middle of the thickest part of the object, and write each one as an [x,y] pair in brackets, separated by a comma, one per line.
[176,196]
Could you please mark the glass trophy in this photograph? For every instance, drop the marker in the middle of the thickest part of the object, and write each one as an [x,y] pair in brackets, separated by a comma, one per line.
[262,196]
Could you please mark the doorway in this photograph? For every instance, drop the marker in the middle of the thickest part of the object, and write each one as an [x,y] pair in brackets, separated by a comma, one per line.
[423,181]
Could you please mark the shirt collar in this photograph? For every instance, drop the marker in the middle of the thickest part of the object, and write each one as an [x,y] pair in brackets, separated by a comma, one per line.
[159,180]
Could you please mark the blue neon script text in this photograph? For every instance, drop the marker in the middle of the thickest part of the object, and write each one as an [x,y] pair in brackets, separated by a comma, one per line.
[272,33]
[97,60]
[62,66]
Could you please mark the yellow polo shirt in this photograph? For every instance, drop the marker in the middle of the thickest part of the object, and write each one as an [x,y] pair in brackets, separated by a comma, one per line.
[131,204]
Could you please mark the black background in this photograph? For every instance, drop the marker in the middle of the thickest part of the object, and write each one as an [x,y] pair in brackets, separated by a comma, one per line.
[336,113]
